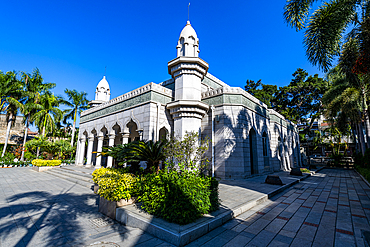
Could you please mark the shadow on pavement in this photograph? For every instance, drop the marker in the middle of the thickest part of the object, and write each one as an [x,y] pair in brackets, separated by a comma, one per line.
[43,219]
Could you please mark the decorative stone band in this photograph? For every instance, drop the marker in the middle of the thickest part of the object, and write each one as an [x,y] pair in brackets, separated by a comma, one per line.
[233,90]
[147,97]
[142,90]
[279,119]
[187,65]
[185,108]
[219,98]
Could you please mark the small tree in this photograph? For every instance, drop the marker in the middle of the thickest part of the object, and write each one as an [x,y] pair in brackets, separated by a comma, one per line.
[188,153]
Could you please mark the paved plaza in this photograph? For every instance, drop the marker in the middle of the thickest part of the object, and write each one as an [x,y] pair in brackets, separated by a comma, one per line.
[328,209]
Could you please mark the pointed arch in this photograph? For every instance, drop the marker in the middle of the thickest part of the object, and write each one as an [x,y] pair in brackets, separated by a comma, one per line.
[133,119]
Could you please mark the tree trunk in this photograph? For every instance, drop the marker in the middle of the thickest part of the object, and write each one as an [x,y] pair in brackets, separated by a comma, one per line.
[7,133]
[367,126]
[353,130]
[366,115]
[25,136]
[38,149]
[361,137]
[73,130]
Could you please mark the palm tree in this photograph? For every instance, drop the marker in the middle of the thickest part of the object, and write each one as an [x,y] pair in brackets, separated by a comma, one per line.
[149,151]
[343,103]
[34,86]
[328,25]
[11,92]
[78,102]
[48,114]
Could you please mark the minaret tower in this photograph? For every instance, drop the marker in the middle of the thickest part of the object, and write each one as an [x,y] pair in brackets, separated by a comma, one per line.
[187,70]
[102,93]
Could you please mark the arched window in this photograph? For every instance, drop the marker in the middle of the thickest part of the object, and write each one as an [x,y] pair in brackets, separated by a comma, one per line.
[163,133]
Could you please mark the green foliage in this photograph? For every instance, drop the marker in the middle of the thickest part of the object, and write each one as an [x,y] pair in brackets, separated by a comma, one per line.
[77,102]
[301,99]
[179,193]
[305,170]
[39,162]
[134,152]
[49,112]
[29,156]
[179,197]
[362,161]
[149,151]
[328,25]
[188,153]
[114,184]
[58,148]
[266,94]
[362,164]
[8,157]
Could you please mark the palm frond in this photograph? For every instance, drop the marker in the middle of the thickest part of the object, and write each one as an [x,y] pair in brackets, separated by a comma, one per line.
[296,12]
[325,29]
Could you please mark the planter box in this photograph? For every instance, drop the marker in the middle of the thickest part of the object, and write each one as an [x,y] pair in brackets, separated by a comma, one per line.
[96,188]
[109,207]
[42,168]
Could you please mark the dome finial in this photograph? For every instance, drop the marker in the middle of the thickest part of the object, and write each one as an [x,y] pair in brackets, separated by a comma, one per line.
[188,13]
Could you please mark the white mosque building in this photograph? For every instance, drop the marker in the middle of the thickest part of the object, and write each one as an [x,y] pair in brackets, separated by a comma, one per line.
[247,137]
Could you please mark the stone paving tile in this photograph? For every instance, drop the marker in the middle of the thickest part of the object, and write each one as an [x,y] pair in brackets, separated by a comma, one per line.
[277,244]
[276,225]
[307,232]
[262,239]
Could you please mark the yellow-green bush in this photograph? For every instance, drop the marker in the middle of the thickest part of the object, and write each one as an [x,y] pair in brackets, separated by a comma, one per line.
[114,184]
[39,162]
[102,171]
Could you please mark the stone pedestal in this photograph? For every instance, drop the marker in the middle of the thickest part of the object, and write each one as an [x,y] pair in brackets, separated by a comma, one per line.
[296,172]
[273,179]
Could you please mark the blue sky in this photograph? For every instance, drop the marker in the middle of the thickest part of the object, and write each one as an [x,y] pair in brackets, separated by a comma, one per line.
[71,42]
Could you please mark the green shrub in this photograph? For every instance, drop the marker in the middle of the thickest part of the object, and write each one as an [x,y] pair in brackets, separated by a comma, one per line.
[39,162]
[179,197]
[29,156]
[114,184]
[102,171]
[305,170]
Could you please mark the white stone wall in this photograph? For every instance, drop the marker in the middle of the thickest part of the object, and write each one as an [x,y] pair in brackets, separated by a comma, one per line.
[144,116]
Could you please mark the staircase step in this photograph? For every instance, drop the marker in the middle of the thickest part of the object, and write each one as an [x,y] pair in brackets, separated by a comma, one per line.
[72,175]
[71,179]
[74,172]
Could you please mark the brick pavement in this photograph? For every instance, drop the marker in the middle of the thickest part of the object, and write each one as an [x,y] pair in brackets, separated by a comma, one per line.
[328,209]
[39,209]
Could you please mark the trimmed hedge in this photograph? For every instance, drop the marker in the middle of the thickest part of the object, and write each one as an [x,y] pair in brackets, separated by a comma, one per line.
[39,162]
[114,184]
[179,197]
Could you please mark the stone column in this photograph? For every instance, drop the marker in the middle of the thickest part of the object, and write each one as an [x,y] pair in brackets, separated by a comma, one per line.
[89,150]
[112,137]
[125,138]
[140,131]
[99,149]
[81,151]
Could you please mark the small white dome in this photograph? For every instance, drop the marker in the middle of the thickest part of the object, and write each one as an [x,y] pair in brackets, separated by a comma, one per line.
[103,83]
[188,31]
[102,92]
[188,43]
